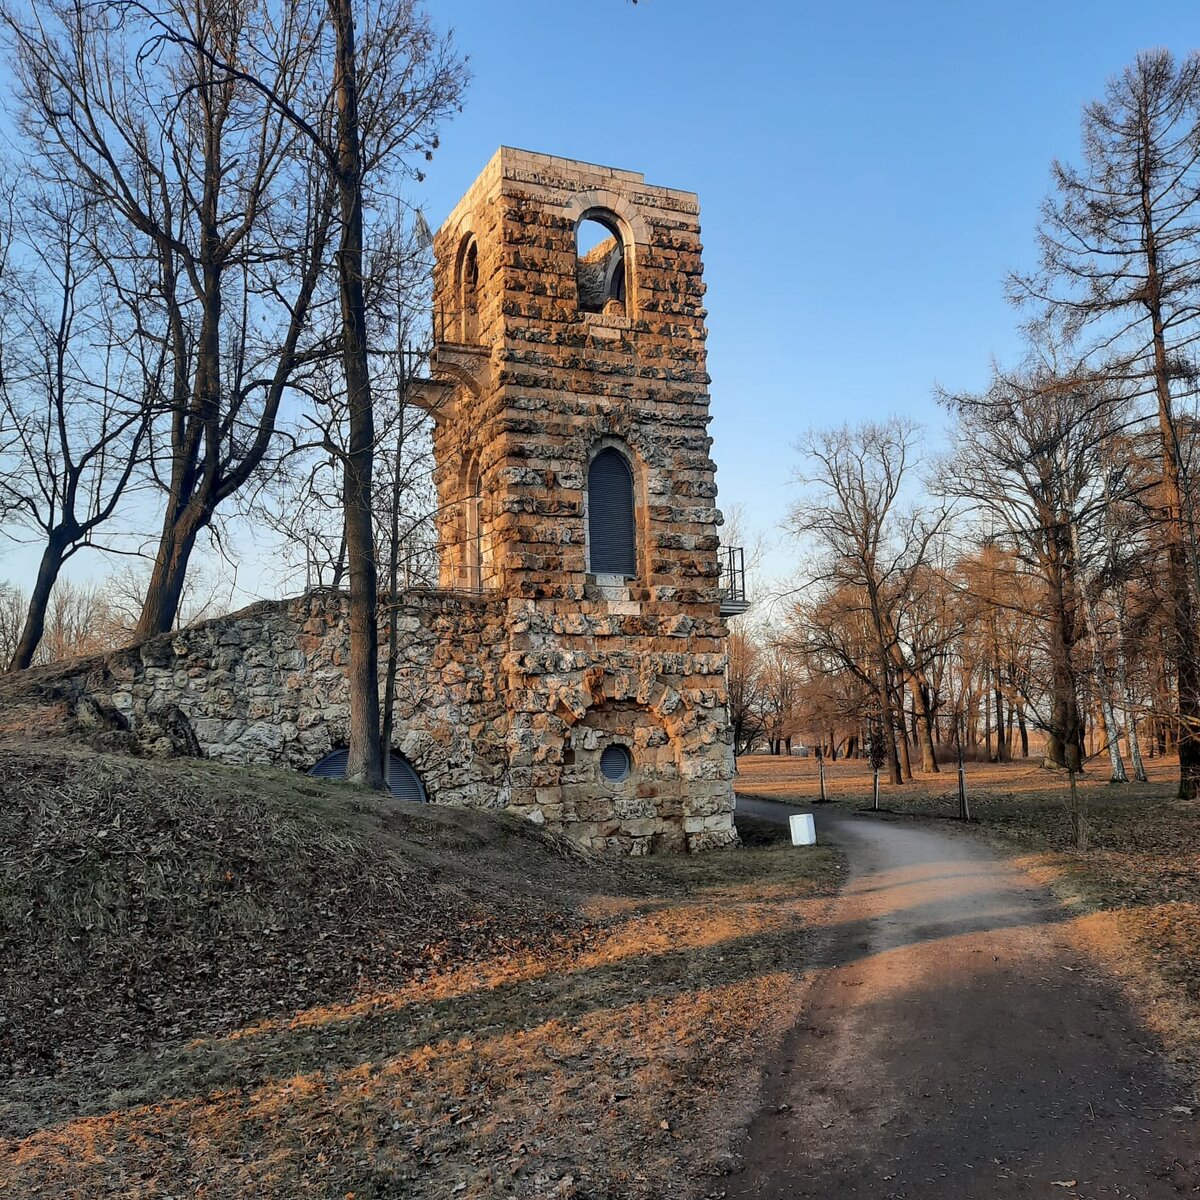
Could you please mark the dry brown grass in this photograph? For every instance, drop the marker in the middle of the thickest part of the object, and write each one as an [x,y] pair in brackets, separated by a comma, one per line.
[1137,888]
[414,1002]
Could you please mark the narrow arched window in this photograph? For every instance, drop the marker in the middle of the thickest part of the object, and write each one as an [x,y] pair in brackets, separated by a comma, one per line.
[612,544]
[468,292]
[600,265]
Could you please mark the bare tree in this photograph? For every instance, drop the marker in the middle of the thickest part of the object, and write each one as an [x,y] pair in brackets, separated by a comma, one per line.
[214,194]
[1120,251]
[745,701]
[1029,459]
[75,401]
[869,547]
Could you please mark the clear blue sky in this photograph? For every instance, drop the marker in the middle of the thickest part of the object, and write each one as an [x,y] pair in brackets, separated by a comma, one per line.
[868,172]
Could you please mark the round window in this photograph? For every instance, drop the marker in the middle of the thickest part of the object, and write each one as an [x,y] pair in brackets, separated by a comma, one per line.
[615,763]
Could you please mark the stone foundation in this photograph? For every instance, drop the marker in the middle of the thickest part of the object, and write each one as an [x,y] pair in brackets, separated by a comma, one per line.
[485,720]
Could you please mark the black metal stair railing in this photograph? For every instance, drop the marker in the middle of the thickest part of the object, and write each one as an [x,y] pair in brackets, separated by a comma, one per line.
[732,581]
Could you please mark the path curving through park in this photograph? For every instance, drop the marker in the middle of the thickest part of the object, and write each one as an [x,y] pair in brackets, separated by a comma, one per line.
[955,1043]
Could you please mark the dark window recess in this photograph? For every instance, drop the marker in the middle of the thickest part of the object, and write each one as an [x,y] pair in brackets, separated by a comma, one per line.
[615,763]
[611,539]
[403,782]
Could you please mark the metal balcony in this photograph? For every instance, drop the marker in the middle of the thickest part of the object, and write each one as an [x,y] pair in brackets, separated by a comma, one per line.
[732,581]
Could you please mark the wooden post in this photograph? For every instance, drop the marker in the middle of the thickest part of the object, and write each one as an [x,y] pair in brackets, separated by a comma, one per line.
[964,806]
[821,776]
[875,788]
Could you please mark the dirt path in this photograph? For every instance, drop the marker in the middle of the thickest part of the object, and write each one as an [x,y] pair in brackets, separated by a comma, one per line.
[956,1044]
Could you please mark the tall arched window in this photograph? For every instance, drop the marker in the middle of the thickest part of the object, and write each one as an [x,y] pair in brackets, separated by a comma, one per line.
[468,291]
[612,541]
[600,264]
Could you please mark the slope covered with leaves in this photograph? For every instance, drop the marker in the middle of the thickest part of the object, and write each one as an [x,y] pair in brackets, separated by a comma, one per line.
[142,900]
[229,982]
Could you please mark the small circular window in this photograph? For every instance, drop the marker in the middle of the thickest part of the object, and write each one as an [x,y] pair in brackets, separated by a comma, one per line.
[615,763]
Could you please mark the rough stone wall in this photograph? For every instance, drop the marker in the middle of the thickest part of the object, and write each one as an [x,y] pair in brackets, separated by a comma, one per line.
[544,387]
[268,685]
[509,697]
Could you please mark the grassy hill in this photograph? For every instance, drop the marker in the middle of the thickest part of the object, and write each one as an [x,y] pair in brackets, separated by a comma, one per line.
[147,899]
[220,982]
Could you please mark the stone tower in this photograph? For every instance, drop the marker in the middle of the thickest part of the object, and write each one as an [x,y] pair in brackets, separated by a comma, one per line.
[570,403]
[571,664]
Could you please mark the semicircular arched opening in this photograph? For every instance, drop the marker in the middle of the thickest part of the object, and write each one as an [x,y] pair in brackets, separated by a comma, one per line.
[600,264]
[402,779]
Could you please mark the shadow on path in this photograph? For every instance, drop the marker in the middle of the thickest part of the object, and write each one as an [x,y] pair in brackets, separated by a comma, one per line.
[956,1044]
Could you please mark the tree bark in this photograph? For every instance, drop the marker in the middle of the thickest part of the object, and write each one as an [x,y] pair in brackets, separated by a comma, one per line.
[1002,751]
[920,692]
[1064,738]
[39,600]
[1187,640]
[365,764]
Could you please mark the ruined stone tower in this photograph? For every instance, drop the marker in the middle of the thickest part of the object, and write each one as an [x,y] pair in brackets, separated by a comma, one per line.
[571,663]
[570,400]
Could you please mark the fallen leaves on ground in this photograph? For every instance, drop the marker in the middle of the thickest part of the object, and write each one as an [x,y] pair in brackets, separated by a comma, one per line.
[482,1011]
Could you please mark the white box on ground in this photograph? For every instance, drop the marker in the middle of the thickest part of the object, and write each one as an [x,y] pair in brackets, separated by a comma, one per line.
[804,829]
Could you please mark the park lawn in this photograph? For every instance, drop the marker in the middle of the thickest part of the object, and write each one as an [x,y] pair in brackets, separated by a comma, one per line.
[227,983]
[1136,888]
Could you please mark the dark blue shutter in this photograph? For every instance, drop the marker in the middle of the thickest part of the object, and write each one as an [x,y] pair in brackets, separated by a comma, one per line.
[332,766]
[611,544]
[615,763]
[403,782]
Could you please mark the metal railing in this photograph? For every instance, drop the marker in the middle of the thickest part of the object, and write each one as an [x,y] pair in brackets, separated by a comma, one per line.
[732,580]
[456,326]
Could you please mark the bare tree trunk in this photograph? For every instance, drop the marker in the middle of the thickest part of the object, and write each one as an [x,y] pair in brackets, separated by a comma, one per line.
[1002,753]
[902,730]
[1065,737]
[920,691]
[887,717]
[1077,811]
[389,686]
[1108,720]
[1186,649]
[984,688]
[1131,728]
[1135,745]
[164,593]
[35,618]
[365,764]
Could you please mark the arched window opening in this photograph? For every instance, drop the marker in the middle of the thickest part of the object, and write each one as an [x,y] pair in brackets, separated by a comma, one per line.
[468,292]
[612,541]
[600,265]
[473,548]
[402,779]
